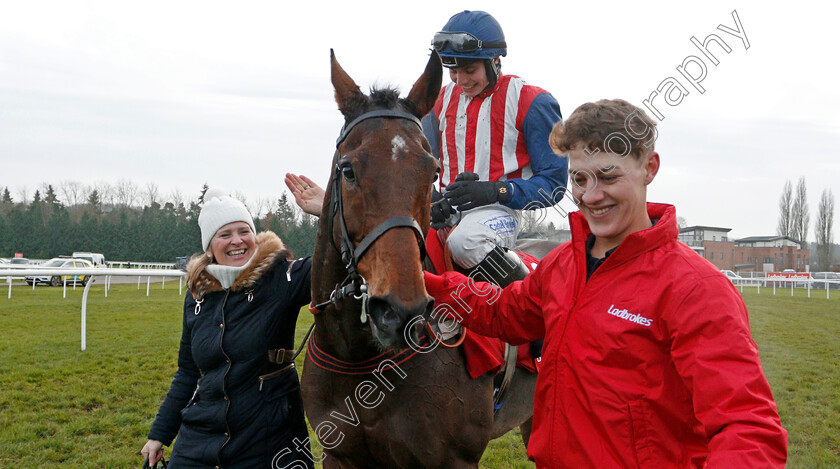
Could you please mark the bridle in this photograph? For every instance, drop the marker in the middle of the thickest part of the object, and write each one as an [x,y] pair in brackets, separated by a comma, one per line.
[355,285]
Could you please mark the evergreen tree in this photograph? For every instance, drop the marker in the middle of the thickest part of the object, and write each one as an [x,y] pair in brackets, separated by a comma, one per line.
[50,198]
[95,202]
[34,237]
[46,227]
[203,191]
[6,203]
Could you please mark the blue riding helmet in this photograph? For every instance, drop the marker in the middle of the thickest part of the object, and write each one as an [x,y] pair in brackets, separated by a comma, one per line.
[470,35]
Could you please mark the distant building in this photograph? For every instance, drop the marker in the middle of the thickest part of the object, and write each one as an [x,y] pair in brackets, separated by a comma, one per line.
[710,242]
[772,254]
[753,254]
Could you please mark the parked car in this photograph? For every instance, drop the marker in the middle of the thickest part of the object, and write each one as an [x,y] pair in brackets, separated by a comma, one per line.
[58,280]
[732,276]
[94,258]
[826,276]
[19,261]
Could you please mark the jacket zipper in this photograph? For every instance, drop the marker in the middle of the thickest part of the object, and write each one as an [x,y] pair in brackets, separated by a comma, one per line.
[224,378]
[192,399]
[275,374]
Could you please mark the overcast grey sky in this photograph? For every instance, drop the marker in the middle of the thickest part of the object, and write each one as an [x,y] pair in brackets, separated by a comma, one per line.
[237,94]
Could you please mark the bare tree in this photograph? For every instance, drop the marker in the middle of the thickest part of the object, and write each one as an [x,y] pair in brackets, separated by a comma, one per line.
[681,222]
[106,191]
[785,208]
[151,194]
[824,225]
[800,216]
[262,206]
[73,192]
[176,196]
[23,194]
[126,192]
[533,221]
[240,196]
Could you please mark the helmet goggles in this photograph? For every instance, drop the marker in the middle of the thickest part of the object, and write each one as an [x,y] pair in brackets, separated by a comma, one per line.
[462,43]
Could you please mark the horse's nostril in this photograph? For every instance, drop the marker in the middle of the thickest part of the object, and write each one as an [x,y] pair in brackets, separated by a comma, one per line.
[384,314]
[390,316]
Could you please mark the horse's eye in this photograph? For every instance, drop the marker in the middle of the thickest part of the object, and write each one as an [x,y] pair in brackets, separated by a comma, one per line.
[437,175]
[348,174]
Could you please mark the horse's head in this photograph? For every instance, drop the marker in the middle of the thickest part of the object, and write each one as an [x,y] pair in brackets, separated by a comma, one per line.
[381,189]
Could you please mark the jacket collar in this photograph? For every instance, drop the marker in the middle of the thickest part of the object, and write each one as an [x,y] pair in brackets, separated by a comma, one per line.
[636,243]
[269,249]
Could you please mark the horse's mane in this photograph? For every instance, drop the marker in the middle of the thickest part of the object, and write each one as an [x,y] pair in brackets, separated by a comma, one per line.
[380,98]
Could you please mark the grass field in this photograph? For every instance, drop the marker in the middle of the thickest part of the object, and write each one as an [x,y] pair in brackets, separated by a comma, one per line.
[60,407]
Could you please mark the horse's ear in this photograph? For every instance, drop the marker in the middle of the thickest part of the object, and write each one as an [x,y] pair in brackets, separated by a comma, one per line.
[347,92]
[425,91]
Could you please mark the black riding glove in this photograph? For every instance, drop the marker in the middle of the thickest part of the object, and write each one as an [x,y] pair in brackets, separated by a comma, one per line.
[440,210]
[467,192]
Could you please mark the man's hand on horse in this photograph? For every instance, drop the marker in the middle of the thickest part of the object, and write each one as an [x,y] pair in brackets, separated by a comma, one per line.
[308,195]
[440,210]
[467,192]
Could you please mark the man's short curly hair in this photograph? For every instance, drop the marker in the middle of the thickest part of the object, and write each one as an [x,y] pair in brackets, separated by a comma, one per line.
[609,125]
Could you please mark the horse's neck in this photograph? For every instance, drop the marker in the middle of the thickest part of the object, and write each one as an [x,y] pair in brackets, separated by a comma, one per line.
[338,332]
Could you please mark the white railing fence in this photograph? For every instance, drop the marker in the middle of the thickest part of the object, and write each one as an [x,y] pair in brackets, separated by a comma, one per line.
[784,283]
[94,273]
[139,265]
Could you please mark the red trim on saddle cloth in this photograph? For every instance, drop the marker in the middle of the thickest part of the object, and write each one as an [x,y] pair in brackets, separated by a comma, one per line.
[483,354]
[328,362]
[487,355]
[434,249]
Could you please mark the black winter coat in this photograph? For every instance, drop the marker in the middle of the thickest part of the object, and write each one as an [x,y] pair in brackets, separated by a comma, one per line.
[229,405]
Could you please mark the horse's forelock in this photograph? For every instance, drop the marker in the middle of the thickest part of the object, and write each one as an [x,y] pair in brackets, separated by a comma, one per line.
[380,98]
[387,98]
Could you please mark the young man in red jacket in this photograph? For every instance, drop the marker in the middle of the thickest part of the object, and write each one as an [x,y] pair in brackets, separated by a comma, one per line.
[648,359]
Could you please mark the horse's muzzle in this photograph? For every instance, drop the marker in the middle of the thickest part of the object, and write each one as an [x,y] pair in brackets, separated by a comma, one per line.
[391,317]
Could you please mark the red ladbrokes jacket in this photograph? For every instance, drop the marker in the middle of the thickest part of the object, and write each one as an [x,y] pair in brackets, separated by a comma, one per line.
[648,364]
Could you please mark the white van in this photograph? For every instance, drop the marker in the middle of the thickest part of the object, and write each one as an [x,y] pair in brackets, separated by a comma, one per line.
[93,257]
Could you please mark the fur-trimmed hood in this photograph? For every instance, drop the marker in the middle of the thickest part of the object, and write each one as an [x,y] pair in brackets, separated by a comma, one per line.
[270,249]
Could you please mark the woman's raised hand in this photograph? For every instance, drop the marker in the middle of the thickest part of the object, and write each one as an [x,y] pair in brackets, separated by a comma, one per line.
[308,195]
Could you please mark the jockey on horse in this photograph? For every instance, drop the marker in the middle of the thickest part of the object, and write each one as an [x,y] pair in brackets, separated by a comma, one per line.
[490,133]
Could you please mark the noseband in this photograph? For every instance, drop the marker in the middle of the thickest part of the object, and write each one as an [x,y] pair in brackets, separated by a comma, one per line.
[354,285]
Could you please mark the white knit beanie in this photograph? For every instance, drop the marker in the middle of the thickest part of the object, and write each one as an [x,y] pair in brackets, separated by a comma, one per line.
[218,210]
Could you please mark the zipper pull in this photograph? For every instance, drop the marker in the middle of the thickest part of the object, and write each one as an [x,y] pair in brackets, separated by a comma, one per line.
[250,295]
[198,306]
[261,382]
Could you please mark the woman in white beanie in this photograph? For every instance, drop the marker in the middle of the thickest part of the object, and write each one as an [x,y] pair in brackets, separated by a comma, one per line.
[235,399]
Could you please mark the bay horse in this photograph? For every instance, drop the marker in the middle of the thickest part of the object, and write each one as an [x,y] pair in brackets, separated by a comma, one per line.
[376,391]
